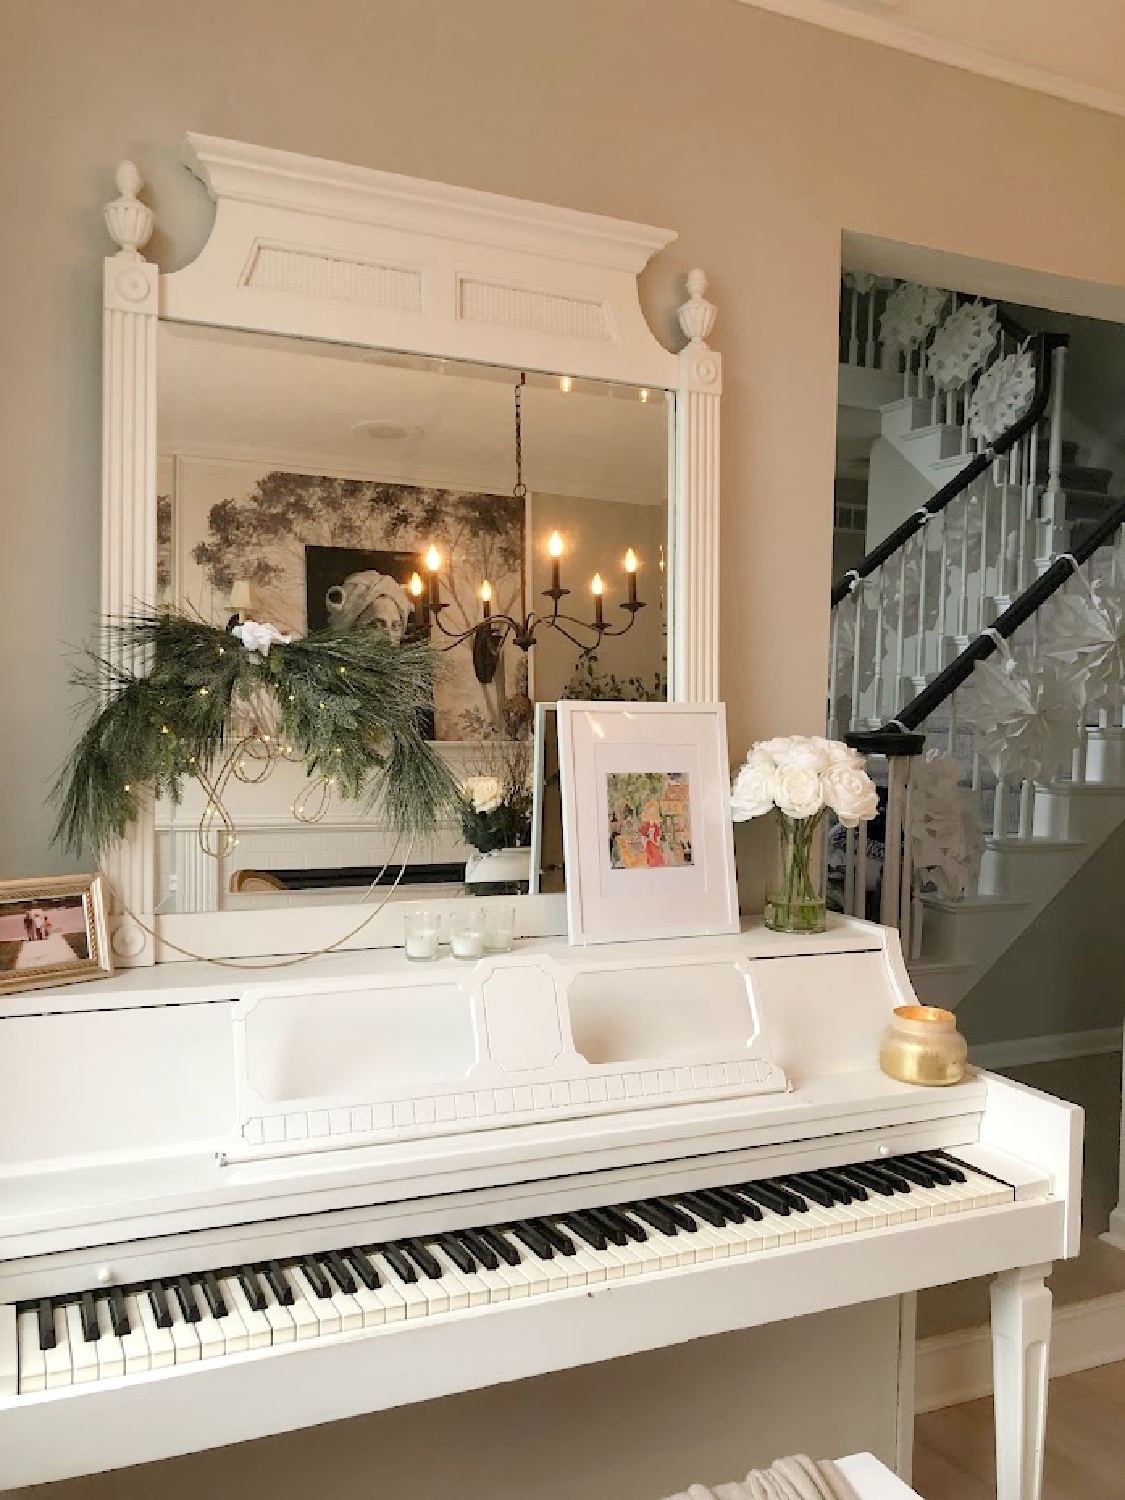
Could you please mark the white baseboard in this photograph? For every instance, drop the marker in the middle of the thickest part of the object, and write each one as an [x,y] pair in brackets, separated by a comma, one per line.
[1021,1051]
[956,1367]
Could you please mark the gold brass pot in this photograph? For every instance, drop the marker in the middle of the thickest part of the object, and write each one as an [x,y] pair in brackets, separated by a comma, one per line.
[922,1045]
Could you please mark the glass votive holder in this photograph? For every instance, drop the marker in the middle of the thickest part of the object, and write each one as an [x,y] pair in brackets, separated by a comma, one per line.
[421,935]
[466,931]
[499,928]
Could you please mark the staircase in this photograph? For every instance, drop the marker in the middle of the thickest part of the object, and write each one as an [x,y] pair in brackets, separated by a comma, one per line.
[977,571]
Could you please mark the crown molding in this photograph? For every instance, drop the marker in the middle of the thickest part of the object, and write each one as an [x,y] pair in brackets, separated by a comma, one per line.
[871,24]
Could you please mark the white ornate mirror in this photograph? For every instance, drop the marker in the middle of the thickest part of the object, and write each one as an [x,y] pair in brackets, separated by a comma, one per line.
[329,388]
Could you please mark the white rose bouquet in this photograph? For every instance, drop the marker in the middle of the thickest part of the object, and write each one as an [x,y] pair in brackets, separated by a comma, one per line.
[797,778]
[496,802]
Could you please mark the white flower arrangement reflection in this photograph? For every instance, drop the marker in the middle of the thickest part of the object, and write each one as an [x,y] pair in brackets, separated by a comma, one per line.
[963,344]
[797,778]
[259,638]
[1003,395]
[484,794]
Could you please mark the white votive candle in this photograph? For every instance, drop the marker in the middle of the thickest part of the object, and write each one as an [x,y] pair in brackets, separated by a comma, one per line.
[466,933]
[421,936]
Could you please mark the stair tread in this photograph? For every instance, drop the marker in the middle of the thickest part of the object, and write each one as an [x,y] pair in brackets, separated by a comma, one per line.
[1086,788]
[1035,845]
[975,903]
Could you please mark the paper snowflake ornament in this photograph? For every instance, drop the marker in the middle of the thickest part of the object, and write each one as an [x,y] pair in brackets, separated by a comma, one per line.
[1003,395]
[1025,715]
[1085,630]
[861,281]
[945,832]
[963,344]
[910,313]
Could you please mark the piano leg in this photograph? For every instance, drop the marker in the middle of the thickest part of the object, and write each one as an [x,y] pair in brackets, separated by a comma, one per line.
[1021,1338]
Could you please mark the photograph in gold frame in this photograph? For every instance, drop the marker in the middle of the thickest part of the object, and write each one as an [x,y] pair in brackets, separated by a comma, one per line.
[52,931]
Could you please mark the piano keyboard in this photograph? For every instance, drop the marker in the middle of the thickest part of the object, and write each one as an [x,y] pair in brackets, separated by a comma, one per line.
[117,1332]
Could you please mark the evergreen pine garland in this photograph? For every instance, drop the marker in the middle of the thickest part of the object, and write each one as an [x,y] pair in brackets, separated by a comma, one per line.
[351,703]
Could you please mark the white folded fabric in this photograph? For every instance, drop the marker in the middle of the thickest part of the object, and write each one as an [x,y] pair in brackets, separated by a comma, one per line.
[795,1478]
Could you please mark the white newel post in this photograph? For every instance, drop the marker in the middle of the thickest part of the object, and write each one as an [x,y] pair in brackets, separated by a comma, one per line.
[695,598]
[129,508]
[1021,1342]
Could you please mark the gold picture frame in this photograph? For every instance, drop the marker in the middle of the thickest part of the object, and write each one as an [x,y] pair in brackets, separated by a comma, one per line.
[52,931]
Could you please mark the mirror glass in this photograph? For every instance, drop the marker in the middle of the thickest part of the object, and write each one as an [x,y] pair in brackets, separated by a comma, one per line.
[303,484]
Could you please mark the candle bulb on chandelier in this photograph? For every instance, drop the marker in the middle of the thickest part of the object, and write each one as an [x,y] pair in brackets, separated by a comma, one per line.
[597,587]
[486,599]
[631,574]
[555,547]
[433,563]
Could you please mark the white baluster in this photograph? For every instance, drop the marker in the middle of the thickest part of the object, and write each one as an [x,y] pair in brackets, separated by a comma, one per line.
[1052,540]
[853,341]
[951,732]
[869,347]
[906,879]
[998,808]
[906,372]
[1027,510]
[857,596]
[861,871]
[879,620]
[1026,808]
[967,396]
[900,651]
[964,502]
[943,589]
[849,872]
[982,581]
[920,625]
[833,673]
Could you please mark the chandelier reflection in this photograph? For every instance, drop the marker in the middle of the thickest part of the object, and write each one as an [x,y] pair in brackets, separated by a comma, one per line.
[487,636]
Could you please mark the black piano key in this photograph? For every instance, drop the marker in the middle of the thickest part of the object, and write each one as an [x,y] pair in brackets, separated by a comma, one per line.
[363,1268]
[403,1268]
[731,1208]
[849,1191]
[696,1203]
[431,1268]
[524,1232]
[158,1300]
[633,1231]
[314,1276]
[954,1168]
[938,1176]
[458,1253]
[680,1217]
[888,1174]
[919,1176]
[613,1232]
[185,1297]
[870,1180]
[808,1188]
[46,1324]
[508,1253]
[763,1193]
[789,1194]
[278,1282]
[555,1236]
[340,1273]
[751,1209]
[118,1313]
[654,1214]
[586,1229]
[213,1295]
[252,1288]
[485,1254]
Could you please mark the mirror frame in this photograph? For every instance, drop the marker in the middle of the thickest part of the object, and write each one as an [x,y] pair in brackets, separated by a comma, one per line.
[323,250]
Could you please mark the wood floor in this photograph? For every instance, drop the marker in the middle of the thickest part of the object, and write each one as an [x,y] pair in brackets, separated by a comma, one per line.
[953,1448]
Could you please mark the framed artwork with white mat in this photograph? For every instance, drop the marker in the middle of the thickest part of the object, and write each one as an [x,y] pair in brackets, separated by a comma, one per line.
[646,821]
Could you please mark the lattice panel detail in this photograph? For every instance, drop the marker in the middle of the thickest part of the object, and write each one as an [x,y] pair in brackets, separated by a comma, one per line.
[311,274]
[537,312]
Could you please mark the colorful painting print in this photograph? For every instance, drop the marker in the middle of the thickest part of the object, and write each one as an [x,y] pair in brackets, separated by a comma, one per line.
[318,550]
[42,934]
[649,819]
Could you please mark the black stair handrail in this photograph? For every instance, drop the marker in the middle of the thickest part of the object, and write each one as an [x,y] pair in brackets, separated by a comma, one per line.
[898,737]
[1045,346]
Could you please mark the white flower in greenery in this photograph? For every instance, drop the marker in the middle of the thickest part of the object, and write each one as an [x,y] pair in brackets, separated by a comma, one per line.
[753,791]
[850,793]
[483,793]
[798,791]
[258,637]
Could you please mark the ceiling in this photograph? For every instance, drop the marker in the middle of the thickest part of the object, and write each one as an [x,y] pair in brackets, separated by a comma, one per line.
[1073,49]
[363,413]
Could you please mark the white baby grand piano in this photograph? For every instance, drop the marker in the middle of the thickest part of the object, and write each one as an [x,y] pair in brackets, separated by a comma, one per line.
[378,1110]
[282,1197]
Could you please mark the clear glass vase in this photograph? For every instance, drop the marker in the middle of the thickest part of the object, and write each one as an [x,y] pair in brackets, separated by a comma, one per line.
[795,889]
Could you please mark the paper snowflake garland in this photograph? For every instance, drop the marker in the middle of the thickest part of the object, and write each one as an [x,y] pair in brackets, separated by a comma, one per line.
[910,313]
[1025,715]
[1085,630]
[963,344]
[1003,395]
[945,832]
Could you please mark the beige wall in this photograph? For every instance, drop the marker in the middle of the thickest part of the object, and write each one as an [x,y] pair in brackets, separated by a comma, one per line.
[758,138]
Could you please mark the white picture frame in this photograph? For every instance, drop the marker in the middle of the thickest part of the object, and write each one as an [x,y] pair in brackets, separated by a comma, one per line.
[658,870]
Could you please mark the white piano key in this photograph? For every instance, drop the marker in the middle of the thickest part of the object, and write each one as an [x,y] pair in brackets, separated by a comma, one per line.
[161,1349]
[498,1289]
[475,1288]
[372,1309]
[987,1192]
[9,1352]
[185,1340]
[111,1356]
[415,1302]
[323,1309]
[518,1284]
[706,1235]
[255,1324]
[744,1238]
[393,1303]
[83,1356]
[584,1267]
[233,1326]
[531,1270]
[33,1363]
[623,1256]
[819,1221]
[134,1344]
[348,1309]
[436,1295]
[283,1325]
[452,1282]
[212,1344]
[59,1368]
[648,1254]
